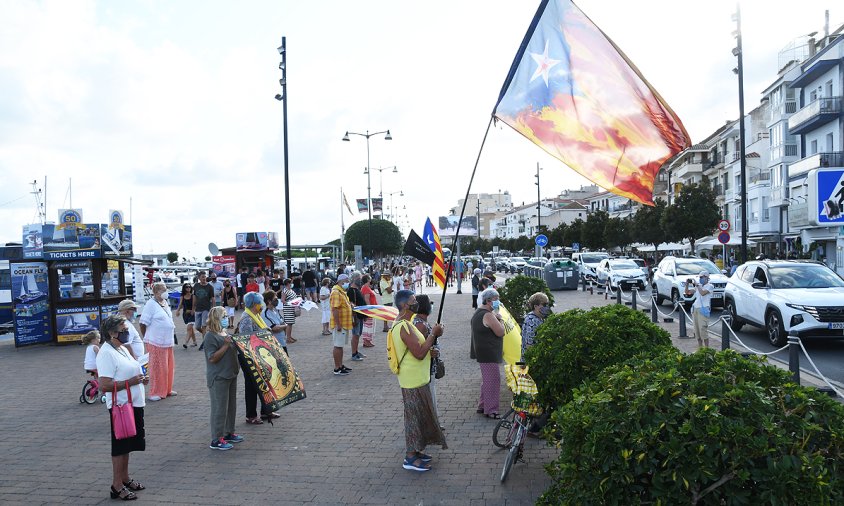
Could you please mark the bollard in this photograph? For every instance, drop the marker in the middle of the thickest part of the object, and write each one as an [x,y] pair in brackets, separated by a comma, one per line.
[584,283]
[654,316]
[618,295]
[607,291]
[683,334]
[634,304]
[794,355]
[591,291]
[725,332]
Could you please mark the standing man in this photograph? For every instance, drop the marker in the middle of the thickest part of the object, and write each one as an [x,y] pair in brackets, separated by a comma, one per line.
[241,285]
[276,283]
[203,298]
[310,284]
[218,289]
[701,308]
[385,285]
[356,298]
[341,322]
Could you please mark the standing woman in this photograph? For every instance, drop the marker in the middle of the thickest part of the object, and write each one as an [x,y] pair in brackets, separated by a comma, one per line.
[250,322]
[421,425]
[273,319]
[188,314]
[230,301]
[261,281]
[371,299]
[288,311]
[487,347]
[221,375]
[539,310]
[420,321]
[157,329]
[476,278]
[118,370]
[386,287]
[127,308]
[325,305]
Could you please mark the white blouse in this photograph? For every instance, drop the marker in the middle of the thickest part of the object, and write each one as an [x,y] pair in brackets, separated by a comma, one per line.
[159,323]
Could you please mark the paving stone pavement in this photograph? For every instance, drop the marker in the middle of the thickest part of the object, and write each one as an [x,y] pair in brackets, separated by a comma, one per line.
[341,445]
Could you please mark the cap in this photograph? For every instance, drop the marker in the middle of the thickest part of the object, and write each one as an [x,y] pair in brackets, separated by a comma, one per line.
[126,304]
[704,274]
[476,271]
[342,277]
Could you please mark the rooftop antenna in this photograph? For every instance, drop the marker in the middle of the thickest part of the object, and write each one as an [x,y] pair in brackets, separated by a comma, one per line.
[39,206]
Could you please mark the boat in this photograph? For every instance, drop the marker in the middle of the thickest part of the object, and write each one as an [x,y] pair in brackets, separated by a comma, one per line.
[29,290]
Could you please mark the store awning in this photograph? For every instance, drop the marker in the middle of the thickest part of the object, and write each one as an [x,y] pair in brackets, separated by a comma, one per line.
[133,261]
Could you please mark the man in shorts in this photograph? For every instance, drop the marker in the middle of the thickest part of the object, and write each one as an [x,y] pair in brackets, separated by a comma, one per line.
[218,289]
[203,298]
[341,322]
[309,282]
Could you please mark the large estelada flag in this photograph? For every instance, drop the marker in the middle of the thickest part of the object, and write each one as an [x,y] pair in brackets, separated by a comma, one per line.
[573,92]
[432,239]
[270,368]
[386,313]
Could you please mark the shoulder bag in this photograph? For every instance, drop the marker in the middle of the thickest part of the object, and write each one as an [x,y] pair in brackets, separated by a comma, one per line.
[122,417]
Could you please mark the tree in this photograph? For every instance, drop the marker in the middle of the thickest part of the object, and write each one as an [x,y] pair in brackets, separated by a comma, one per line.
[386,237]
[574,232]
[592,235]
[647,225]
[557,235]
[172,257]
[693,214]
[617,232]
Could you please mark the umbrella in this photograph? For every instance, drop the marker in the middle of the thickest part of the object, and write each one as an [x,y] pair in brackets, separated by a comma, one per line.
[386,313]
[735,240]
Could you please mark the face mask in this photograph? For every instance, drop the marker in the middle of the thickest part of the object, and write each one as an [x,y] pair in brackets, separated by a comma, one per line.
[495,305]
[414,307]
[544,311]
[345,286]
[224,322]
[123,336]
[703,281]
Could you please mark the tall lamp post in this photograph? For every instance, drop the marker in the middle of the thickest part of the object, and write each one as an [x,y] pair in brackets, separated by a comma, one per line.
[387,137]
[739,70]
[393,209]
[381,177]
[282,97]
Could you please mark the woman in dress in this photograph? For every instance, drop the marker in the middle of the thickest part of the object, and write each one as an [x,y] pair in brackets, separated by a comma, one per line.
[252,322]
[421,425]
[221,369]
[325,306]
[487,347]
[188,315]
[157,329]
[539,309]
[119,370]
[368,323]
[288,311]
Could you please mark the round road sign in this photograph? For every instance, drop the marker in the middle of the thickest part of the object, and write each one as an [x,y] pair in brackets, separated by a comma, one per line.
[723,225]
[541,240]
[724,237]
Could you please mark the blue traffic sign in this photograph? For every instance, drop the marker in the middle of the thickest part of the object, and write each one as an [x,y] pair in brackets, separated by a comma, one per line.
[575,246]
[541,240]
[724,237]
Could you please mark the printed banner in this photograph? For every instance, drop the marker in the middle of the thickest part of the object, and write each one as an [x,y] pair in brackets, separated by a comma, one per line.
[115,219]
[33,243]
[69,218]
[377,205]
[512,337]
[448,226]
[107,310]
[117,240]
[69,243]
[252,241]
[72,323]
[32,323]
[224,265]
[29,282]
[362,206]
[270,368]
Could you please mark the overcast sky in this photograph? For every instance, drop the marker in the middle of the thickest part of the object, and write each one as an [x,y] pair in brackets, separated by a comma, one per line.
[170,103]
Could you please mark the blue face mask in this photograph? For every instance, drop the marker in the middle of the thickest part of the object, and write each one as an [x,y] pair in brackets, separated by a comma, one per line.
[345,286]
[495,305]
[224,322]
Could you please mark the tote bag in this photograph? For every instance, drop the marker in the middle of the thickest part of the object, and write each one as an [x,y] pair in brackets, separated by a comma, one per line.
[123,417]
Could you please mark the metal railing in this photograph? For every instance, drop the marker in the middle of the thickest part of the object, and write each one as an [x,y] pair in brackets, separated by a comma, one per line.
[830,105]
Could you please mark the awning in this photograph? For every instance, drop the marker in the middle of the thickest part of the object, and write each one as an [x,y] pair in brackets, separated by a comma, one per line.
[134,261]
[665,246]
[710,241]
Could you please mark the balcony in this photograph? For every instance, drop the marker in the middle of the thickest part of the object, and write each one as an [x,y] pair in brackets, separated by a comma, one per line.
[820,160]
[782,110]
[718,190]
[761,178]
[779,196]
[685,171]
[814,115]
[798,215]
[782,151]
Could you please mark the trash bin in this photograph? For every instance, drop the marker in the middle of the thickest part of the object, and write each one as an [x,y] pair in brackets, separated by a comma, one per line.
[562,274]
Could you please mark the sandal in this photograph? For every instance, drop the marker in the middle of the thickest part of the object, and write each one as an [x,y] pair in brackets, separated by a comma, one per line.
[254,421]
[133,485]
[124,494]
[415,463]
[494,416]
[479,411]
[291,340]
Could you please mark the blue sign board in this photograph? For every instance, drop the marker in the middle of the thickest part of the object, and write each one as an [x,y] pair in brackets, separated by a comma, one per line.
[541,240]
[32,323]
[575,246]
[830,198]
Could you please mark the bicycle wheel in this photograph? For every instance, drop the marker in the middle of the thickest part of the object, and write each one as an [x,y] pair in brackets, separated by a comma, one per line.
[504,424]
[90,393]
[512,455]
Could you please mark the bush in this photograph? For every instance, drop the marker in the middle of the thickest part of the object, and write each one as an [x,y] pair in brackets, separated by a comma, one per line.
[709,428]
[575,346]
[516,292]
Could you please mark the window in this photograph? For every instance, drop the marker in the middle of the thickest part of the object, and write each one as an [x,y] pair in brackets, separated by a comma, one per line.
[813,95]
[766,212]
[813,147]
[661,176]
[829,148]
[748,274]
[75,279]
[829,88]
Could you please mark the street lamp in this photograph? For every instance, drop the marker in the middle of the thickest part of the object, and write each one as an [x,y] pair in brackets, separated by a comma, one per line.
[739,70]
[387,137]
[381,177]
[282,97]
[393,209]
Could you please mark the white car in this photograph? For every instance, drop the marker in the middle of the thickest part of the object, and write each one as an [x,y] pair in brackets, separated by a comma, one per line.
[779,295]
[621,272]
[673,273]
[588,263]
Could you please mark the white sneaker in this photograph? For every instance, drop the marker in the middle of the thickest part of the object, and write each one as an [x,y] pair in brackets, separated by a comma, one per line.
[154,398]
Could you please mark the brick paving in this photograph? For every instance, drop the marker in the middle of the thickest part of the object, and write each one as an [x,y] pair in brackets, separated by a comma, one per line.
[341,445]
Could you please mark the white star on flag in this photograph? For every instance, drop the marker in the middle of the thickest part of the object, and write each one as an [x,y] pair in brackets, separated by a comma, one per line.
[544,64]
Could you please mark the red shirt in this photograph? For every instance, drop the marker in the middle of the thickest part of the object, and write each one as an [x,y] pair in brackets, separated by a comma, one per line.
[369,295]
[252,287]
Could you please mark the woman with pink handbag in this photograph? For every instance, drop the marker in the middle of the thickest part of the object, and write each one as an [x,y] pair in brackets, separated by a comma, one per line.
[122,380]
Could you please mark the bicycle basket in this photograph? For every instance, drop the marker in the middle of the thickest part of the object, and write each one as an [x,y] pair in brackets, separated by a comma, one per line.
[524,390]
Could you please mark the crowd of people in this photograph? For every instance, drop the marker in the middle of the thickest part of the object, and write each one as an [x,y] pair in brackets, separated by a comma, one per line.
[208,309]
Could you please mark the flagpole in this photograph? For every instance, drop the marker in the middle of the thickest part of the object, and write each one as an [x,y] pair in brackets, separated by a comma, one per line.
[342,230]
[460,220]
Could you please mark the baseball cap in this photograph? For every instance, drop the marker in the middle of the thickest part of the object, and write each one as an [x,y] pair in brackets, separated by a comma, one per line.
[342,277]
[704,274]
[126,304]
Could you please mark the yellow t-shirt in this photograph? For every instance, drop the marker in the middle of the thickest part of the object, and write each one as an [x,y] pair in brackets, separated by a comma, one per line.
[413,373]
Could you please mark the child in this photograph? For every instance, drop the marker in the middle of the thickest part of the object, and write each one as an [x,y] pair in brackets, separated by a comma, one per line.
[91,340]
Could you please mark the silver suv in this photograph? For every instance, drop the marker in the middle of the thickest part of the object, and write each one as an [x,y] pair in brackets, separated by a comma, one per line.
[672,274]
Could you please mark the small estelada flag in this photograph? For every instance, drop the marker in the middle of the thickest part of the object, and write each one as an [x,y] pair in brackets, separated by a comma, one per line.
[432,239]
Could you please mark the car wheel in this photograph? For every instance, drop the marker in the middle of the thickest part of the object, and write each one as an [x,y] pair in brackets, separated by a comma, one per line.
[775,328]
[675,297]
[659,298]
[730,308]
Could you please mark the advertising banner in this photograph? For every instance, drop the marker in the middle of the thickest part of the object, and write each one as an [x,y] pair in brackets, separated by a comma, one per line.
[32,323]
[33,243]
[252,241]
[448,226]
[272,240]
[826,197]
[69,218]
[29,282]
[277,381]
[116,236]
[69,243]
[107,310]
[224,265]
[72,323]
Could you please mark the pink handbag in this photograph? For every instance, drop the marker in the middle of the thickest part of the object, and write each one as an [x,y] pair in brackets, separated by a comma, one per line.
[122,417]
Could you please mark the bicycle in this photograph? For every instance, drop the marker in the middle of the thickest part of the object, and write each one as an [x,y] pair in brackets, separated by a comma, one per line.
[517,420]
[91,392]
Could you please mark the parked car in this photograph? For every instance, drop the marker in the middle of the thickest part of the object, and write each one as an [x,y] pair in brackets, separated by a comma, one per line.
[516,265]
[672,274]
[621,272]
[779,295]
[537,261]
[588,263]
[642,265]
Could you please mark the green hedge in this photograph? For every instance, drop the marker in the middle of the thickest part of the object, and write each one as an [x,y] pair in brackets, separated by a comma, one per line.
[516,292]
[709,428]
[575,346]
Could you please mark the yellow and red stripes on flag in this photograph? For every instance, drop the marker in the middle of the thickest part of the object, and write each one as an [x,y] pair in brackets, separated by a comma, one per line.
[386,313]
[432,239]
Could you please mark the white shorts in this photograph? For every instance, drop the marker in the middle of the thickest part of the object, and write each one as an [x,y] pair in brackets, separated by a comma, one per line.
[229,311]
[340,337]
